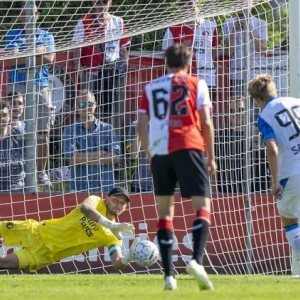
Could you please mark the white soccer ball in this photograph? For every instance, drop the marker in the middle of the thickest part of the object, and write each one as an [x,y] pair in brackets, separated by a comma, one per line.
[145,253]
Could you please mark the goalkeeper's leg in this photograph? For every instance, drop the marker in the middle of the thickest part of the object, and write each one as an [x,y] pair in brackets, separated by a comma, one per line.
[18,233]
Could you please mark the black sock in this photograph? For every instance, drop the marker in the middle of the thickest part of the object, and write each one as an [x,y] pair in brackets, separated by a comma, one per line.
[165,240]
[200,235]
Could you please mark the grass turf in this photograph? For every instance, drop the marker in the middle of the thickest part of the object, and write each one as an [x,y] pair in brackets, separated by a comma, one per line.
[146,287]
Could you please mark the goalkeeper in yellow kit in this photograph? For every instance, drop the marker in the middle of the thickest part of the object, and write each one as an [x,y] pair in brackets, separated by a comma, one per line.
[90,225]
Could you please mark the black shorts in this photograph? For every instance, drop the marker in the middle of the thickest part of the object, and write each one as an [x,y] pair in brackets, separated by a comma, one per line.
[187,167]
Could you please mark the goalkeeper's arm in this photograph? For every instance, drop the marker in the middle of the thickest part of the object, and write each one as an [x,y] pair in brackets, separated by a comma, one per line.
[88,208]
[118,261]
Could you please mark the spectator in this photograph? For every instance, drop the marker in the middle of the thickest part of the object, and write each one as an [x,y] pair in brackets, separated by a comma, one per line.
[231,151]
[142,177]
[104,65]
[11,153]
[16,102]
[202,36]
[16,40]
[234,31]
[92,148]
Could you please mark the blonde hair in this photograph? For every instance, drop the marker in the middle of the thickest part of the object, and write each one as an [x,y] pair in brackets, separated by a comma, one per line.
[262,87]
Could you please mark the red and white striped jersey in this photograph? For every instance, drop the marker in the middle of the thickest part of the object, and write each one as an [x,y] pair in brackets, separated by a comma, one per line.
[202,38]
[90,28]
[172,103]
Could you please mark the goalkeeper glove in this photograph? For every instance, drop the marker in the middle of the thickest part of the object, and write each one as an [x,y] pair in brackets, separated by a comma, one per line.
[129,257]
[116,228]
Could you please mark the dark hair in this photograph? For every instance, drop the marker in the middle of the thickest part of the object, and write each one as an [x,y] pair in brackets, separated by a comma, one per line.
[12,95]
[178,56]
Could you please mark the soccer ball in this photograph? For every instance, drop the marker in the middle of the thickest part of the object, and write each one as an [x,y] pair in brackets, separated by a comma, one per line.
[145,253]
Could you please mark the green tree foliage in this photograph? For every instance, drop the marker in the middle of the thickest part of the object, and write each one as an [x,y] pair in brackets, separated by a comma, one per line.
[61,17]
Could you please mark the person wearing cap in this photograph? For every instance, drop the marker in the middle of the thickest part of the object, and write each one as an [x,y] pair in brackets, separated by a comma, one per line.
[90,225]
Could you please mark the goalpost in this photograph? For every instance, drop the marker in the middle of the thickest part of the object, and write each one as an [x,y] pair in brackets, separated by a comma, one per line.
[246,233]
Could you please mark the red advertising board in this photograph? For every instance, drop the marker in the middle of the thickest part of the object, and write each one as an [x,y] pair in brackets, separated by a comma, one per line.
[226,248]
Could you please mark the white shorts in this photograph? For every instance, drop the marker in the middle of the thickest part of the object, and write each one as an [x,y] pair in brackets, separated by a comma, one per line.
[289,204]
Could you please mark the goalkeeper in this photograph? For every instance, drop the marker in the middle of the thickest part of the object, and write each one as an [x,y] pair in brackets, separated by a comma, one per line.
[90,225]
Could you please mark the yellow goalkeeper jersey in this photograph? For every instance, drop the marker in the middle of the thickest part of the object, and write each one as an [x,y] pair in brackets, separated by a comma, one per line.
[76,233]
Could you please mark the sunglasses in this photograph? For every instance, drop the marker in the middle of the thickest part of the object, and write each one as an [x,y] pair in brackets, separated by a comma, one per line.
[85,104]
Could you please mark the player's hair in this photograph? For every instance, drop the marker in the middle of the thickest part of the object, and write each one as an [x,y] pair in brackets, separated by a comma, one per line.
[262,87]
[178,56]
[86,92]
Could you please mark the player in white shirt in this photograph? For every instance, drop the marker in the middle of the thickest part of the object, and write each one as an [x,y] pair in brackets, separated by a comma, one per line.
[279,123]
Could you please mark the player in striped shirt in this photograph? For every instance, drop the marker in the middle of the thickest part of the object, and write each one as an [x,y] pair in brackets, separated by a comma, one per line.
[180,132]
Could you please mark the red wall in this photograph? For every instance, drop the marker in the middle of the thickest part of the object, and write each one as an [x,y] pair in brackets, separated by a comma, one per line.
[226,247]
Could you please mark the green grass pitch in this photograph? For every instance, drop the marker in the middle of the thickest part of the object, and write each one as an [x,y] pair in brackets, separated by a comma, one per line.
[144,287]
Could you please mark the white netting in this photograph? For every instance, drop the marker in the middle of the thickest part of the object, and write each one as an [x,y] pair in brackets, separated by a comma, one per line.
[246,232]
[140,16]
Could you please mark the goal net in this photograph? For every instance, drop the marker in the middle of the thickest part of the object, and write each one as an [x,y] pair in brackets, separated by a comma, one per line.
[72,50]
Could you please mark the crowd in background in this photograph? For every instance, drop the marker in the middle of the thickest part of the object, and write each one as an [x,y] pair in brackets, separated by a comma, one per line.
[97,148]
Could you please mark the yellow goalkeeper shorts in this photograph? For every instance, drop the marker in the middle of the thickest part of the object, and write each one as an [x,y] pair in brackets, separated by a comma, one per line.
[35,255]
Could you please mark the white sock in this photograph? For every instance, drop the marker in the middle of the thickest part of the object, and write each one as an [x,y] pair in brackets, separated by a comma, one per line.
[293,236]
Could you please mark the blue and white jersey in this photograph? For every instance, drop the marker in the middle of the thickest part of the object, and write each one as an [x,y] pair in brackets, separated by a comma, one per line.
[280,120]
